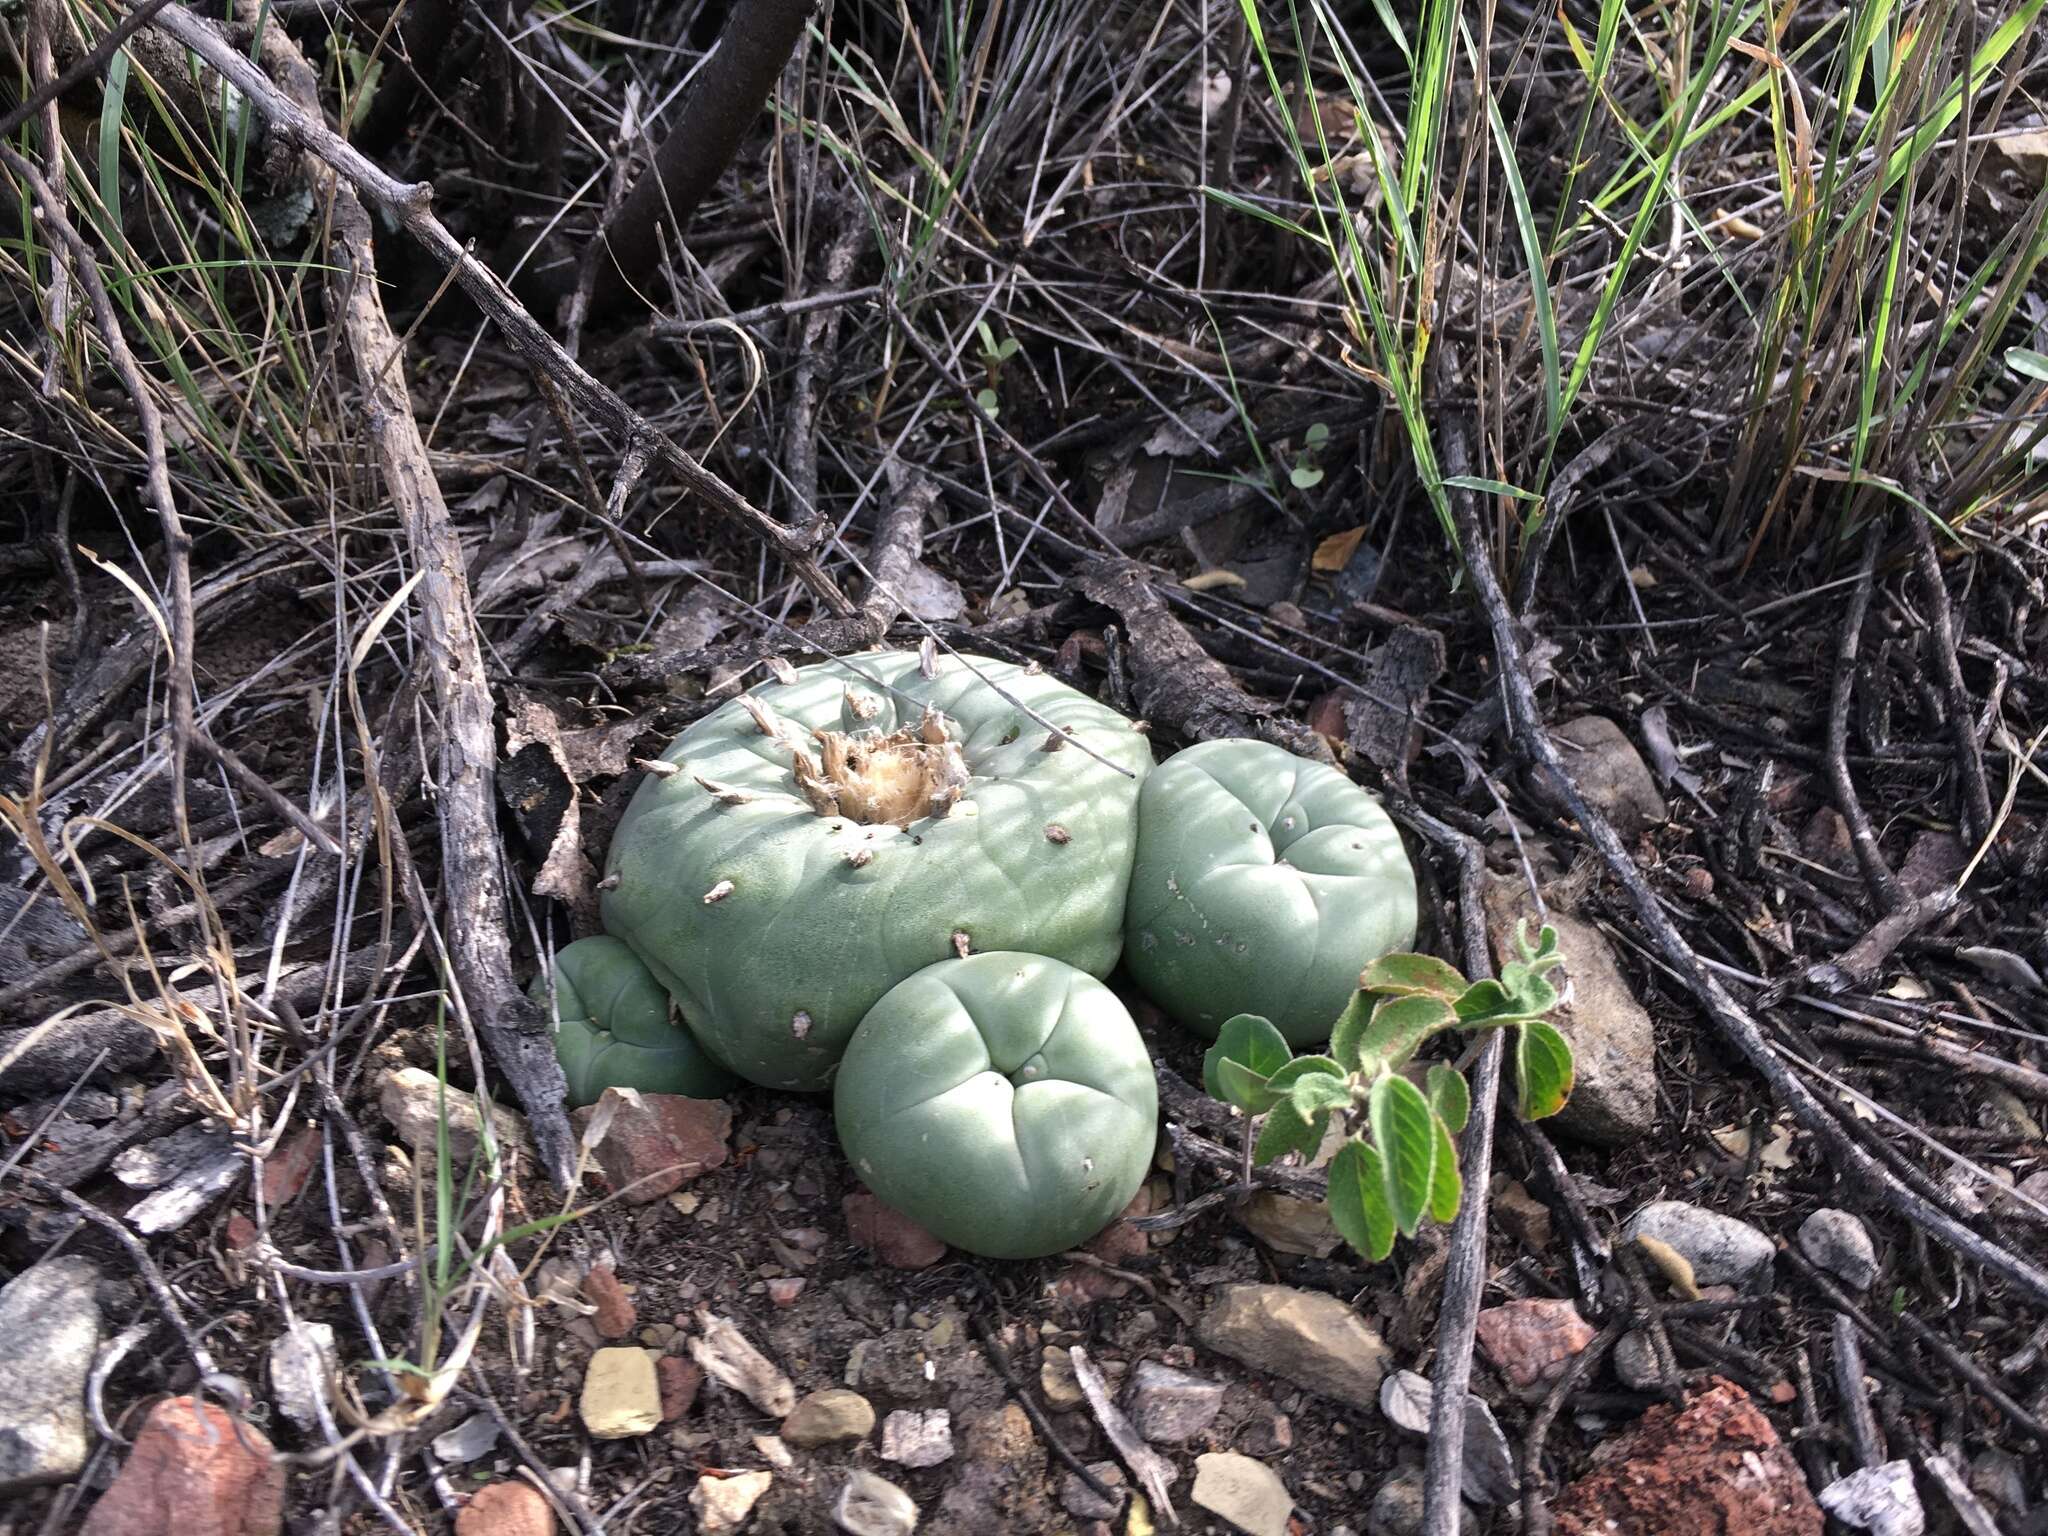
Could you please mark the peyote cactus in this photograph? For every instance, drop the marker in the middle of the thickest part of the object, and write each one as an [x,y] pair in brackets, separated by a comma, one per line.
[808,845]
[615,1027]
[904,879]
[1264,883]
[1005,1102]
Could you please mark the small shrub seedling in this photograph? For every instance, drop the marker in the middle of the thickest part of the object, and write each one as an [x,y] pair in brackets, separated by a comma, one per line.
[1398,1163]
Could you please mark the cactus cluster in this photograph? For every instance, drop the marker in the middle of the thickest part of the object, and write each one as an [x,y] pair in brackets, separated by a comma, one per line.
[905,879]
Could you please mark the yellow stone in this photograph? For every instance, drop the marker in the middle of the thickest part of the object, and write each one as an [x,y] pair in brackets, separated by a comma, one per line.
[621,1397]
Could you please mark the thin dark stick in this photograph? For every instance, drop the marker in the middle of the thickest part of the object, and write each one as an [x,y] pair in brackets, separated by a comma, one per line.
[1884,885]
[1465,1266]
[1535,1512]
[1962,725]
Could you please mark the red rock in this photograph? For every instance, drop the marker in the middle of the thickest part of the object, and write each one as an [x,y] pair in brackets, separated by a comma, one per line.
[194,1471]
[241,1232]
[897,1241]
[1532,1341]
[1826,839]
[784,1290]
[658,1142]
[1081,1285]
[509,1508]
[1933,860]
[285,1172]
[1712,1466]
[679,1379]
[1120,1242]
[616,1314]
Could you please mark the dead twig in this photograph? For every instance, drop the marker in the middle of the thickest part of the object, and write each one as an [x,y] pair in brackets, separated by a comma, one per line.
[410,204]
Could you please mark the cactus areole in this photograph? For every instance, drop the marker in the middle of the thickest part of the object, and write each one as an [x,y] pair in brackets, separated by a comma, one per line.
[1264,884]
[616,1027]
[1004,1102]
[808,845]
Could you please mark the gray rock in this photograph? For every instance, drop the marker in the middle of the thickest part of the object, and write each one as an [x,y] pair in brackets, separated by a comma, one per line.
[1307,1337]
[873,1506]
[1635,1361]
[1839,1243]
[155,1163]
[1720,1249]
[1168,1406]
[1083,1502]
[303,1366]
[204,1169]
[1488,1466]
[1610,773]
[917,1437]
[1246,1493]
[1614,1046]
[1396,1509]
[49,1331]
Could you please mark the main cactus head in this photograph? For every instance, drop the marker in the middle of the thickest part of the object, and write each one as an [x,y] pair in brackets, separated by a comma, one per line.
[808,845]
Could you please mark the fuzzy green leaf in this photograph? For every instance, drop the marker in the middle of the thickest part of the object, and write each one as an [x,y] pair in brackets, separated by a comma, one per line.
[1286,1130]
[1244,1088]
[1446,1184]
[1358,1200]
[1404,1131]
[1449,1097]
[1347,1035]
[1543,1070]
[1251,1042]
[1304,1066]
[1485,1001]
[1318,1093]
[1406,975]
[1400,1025]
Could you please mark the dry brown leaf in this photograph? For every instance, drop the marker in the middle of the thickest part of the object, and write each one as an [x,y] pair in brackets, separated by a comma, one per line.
[1674,1265]
[1335,552]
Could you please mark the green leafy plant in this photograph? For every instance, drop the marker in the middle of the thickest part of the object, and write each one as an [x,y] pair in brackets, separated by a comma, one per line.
[1307,473]
[993,355]
[1398,1163]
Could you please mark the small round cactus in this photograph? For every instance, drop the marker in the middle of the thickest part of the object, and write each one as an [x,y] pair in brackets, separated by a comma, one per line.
[811,843]
[616,1027]
[1264,884]
[1004,1102]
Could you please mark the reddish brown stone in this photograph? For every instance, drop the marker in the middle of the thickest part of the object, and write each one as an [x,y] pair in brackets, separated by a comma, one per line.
[784,1290]
[656,1146]
[1120,1242]
[679,1379]
[194,1471]
[286,1171]
[510,1508]
[1710,1467]
[1532,1341]
[241,1233]
[616,1314]
[897,1241]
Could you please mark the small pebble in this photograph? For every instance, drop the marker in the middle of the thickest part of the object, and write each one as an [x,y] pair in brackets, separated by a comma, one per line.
[1839,1243]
